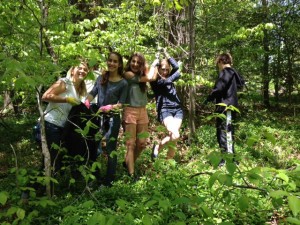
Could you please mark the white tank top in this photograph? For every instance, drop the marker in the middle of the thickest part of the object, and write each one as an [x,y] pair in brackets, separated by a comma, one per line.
[57,113]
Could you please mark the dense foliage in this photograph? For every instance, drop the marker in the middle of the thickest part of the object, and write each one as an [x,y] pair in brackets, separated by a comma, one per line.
[41,39]
[191,189]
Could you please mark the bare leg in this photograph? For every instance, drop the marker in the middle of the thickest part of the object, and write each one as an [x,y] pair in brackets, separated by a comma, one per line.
[173,125]
[141,141]
[131,146]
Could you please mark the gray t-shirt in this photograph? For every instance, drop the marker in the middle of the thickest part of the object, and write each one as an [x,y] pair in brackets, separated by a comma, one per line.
[136,97]
[111,93]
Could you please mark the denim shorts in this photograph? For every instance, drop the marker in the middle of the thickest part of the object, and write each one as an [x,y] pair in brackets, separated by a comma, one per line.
[175,113]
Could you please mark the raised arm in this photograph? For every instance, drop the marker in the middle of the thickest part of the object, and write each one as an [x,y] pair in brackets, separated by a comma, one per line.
[150,75]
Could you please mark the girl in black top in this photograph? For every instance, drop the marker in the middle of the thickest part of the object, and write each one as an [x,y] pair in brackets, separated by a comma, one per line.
[168,105]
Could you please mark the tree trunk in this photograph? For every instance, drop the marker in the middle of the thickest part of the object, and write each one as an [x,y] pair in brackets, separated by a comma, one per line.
[277,75]
[192,101]
[289,78]
[47,160]
[265,68]
[45,150]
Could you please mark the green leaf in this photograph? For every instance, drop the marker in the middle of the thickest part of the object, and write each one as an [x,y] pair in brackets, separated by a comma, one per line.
[129,218]
[180,215]
[20,213]
[113,153]
[95,165]
[143,135]
[225,179]
[254,177]
[270,137]
[164,204]
[111,220]
[244,203]
[156,2]
[213,178]
[88,204]
[231,168]
[226,196]
[283,177]
[278,194]
[214,158]
[294,204]
[252,140]
[121,203]
[11,211]
[46,202]
[147,220]
[207,211]
[161,128]
[293,220]
[69,208]
[97,219]
[72,181]
[150,203]
[233,108]
[3,197]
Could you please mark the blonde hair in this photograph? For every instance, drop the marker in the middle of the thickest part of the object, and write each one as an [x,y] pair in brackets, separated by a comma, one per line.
[82,87]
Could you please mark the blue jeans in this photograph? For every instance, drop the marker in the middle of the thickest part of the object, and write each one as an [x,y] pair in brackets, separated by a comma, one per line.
[54,136]
[110,129]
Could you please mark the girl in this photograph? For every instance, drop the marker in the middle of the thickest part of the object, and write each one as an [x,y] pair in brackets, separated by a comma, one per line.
[62,95]
[111,89]
[135,117]
[168,106]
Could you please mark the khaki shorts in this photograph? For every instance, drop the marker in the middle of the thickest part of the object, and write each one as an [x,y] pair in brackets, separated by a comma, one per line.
[135,115]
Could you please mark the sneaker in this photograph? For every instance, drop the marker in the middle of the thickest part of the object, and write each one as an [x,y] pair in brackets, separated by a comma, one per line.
[154,154]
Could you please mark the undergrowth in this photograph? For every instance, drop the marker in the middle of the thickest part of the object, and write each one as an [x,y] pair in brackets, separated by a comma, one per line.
[262,188]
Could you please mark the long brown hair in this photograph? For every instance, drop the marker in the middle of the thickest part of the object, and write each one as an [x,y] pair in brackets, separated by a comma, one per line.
[105,73]
[143,68]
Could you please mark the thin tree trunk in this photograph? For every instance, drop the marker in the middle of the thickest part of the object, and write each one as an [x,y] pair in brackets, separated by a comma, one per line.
[265,69]
[47,159]
[277,75]
[192,101]
[45,150]
[290,80]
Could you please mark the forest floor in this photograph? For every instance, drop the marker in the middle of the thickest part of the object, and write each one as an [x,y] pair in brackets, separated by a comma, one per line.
[265,138]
